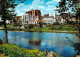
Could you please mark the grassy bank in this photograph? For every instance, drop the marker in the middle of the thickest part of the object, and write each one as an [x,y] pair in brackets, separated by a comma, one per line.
[56,28]
[15,51]
[59,29]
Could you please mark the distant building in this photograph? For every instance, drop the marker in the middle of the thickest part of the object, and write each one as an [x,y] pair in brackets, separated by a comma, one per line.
[35,13]
[31,17]
[53,14]
[46,15]
[60,19]
[64,15]
[26,18]
[48,20]
[71,19]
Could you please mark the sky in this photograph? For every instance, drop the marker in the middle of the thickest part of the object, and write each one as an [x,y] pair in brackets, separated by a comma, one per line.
[45,6]
[0,18]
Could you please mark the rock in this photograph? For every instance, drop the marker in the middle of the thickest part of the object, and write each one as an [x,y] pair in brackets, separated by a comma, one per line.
[51,54]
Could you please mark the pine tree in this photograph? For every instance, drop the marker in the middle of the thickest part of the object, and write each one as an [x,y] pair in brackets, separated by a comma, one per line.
[7,9]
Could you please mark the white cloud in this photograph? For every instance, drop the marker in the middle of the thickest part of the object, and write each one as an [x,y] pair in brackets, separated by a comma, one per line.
[52,2]
[49,2]
[36,4]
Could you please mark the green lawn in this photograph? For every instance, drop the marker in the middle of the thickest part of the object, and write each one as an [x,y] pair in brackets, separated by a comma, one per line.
[55,28]
[9,25]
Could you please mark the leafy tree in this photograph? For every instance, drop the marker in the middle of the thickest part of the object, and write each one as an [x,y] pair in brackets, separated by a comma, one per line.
[7,9]
[64,6]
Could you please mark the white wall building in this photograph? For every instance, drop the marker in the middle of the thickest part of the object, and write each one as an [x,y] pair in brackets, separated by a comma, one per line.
[49,20]
[53,14]
[26,18]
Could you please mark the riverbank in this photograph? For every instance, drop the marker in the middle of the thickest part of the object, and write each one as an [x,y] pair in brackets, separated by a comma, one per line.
[52,31]
[9,50]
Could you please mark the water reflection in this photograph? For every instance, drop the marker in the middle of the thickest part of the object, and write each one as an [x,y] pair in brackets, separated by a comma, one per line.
[50,41]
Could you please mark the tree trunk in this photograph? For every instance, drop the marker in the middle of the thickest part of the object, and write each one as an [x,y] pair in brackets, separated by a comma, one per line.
[5,29]
[4,19]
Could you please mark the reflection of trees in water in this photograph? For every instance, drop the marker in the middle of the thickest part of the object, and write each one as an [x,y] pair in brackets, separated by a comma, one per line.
[35,39]
[13,37]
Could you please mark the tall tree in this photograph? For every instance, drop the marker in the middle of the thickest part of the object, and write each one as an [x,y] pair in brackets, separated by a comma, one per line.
[73,5]
[7,9]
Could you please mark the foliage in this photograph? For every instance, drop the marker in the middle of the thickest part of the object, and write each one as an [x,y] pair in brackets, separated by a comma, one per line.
[31,26]
[75,45]
[15,51]
[56,23]
[7,12]
[65,5]
[62,28]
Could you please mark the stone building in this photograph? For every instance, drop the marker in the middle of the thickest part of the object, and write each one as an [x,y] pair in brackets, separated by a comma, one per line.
[31,17]
[35,13]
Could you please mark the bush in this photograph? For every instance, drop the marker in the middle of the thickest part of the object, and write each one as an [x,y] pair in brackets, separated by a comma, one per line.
[15,51]
[31,26]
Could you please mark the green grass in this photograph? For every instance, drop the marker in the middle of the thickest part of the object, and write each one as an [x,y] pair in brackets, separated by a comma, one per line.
[55,28]
[13,50]
[9,25]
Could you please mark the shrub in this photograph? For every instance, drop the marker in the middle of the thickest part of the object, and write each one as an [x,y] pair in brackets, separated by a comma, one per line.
[15,51]
[31,26]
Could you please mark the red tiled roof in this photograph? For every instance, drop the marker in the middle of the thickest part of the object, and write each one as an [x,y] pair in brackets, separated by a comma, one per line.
[40,20]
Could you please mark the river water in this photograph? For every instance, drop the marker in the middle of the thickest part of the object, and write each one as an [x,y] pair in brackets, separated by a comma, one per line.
[50,41]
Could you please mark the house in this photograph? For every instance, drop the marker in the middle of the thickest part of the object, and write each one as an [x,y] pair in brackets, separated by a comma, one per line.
[48,20]
[60,19]
[53,14]
[71,19]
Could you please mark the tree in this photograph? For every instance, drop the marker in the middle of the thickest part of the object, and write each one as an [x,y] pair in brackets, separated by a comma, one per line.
[7,12]
[74,5]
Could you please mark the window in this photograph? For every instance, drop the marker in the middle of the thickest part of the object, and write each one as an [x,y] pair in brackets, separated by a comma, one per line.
[35,13]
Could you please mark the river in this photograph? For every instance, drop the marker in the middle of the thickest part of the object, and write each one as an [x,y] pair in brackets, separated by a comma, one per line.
[50,41]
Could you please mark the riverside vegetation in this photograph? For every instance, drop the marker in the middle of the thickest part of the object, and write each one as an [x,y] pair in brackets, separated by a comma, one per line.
[13,50]
[50,28]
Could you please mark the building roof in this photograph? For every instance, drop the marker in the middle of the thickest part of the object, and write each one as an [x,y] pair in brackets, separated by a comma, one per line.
[40,20]
[49,17]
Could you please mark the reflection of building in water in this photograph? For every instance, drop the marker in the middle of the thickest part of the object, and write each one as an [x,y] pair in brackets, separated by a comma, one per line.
[35,42]
[35,39]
